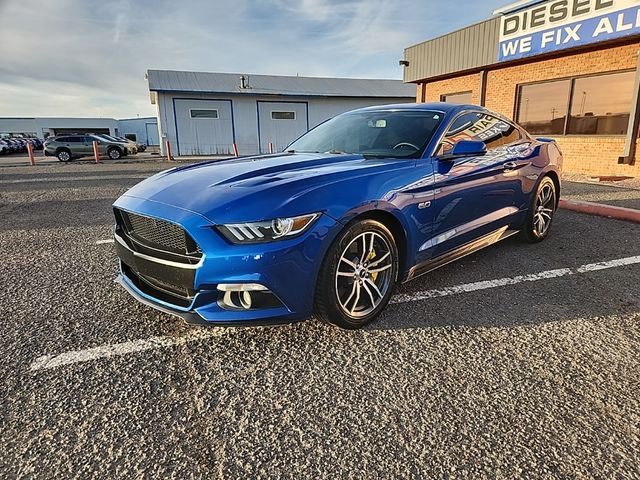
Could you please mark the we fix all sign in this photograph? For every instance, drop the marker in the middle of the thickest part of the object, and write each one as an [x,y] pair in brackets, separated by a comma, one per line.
[561,24]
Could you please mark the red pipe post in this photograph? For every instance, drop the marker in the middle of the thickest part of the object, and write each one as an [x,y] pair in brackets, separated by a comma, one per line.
[32,159]
[270,147]
[168,148]
[235,150]
[96,151]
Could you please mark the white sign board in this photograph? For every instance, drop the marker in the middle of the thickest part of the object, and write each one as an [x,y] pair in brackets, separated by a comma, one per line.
[561,24]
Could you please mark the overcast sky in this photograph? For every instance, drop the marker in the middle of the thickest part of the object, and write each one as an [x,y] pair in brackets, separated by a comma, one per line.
[88,57]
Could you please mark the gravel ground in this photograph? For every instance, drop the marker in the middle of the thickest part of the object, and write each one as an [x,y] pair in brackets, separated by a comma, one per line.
[628,182]
[533,380]
[602,193]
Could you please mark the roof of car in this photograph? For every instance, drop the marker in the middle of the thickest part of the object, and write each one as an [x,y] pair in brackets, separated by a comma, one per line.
[438,106]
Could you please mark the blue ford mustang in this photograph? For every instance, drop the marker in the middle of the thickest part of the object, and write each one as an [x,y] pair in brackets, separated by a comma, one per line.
[367,199]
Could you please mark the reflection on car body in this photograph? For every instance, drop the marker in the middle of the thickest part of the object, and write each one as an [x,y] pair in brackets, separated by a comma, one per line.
[365,200]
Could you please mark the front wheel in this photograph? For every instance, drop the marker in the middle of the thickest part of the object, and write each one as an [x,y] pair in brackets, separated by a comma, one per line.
[64,155]
[114,153]
[541,212]
[357,276]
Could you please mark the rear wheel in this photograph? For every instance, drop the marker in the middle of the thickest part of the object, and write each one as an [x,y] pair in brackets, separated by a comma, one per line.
[357,276]
[541,212]
[114,153]
[64,155]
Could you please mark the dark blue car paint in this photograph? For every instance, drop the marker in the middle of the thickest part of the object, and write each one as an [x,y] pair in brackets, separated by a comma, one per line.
[439,205]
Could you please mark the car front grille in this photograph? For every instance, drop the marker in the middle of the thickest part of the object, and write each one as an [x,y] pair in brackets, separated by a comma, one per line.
[160,289]
[158,232]
[156,237]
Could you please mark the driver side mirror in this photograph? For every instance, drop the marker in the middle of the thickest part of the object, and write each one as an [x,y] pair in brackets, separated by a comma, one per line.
[466,148]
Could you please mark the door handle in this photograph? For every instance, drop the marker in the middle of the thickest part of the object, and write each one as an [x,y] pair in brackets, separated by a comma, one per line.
[510,166]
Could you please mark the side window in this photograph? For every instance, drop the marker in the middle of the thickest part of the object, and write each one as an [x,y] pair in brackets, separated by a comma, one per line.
[493,131]
[75,139]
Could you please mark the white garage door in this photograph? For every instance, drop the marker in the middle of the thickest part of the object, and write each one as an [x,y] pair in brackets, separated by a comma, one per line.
[204,127]
[280,123]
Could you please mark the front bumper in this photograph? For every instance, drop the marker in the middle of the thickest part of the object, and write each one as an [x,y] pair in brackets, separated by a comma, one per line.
[287,268]
[194,319]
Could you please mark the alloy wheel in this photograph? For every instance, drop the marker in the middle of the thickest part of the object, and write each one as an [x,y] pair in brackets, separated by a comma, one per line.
[544,209]
[364,274]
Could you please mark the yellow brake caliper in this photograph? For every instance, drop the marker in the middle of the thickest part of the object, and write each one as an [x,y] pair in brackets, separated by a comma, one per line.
[371,256]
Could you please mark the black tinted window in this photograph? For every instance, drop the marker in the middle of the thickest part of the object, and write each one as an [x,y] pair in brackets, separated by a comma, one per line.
[493,131]
[464,97]
[75,139]
[601,105]
[542,108]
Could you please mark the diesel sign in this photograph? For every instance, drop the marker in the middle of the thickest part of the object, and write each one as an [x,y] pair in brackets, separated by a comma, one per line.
[561,24]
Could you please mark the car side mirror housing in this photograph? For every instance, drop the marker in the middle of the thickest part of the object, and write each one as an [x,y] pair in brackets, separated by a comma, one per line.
[466,148]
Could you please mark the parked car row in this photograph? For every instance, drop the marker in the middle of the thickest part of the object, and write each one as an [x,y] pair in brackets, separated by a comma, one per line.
[141,147]
[16,143]
[69,147]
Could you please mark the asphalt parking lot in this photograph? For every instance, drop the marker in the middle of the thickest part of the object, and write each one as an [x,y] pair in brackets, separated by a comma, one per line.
[521,361]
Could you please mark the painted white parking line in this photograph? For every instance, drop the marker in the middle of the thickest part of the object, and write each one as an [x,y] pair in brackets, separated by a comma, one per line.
[501,282]
[119,349]
[102,242]
[74,179]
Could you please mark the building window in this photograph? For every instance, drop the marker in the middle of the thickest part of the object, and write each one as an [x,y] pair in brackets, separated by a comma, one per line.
[198,113]
[599,105]
[283,115]
[542,108]
[462,98]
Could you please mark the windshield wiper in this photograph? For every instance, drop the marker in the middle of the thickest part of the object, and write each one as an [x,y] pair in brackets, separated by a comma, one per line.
[337,152]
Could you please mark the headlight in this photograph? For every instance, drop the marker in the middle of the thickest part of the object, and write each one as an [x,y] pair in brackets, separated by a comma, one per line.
[257,232]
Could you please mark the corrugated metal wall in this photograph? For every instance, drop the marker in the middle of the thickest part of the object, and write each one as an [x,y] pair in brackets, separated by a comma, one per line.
[469,48]
[245,118]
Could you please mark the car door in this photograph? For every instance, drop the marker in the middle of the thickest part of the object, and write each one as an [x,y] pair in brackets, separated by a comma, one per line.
[87,145]
[76,145]
[476,195]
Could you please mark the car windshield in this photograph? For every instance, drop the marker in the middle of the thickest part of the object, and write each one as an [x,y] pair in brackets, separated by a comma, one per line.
[107,137]
[379,134]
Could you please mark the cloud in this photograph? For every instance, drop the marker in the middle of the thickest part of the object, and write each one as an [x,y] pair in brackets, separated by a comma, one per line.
[88,57]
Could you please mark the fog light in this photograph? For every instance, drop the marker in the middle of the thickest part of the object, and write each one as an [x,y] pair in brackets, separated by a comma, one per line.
[241,287]
[245,300]
[244,296]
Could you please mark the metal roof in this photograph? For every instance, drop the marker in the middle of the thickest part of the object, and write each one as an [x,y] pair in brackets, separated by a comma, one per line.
[230,83]
[465,49]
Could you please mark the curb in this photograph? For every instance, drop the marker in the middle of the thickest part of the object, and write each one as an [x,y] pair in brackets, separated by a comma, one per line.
[602,210]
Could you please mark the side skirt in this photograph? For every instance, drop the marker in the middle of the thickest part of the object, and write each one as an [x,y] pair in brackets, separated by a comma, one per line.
[462,251]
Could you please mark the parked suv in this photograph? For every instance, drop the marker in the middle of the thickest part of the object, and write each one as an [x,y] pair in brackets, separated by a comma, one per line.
[68,147]
[133,146]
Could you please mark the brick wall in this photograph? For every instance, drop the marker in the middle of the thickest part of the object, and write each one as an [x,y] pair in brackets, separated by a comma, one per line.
[467,83]
[592,155]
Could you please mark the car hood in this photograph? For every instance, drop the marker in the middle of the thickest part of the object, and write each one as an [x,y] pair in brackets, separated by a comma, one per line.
[260,187]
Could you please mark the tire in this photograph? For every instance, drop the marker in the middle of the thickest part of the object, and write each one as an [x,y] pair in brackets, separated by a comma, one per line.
[355,286]
[114,153]
[64,155]
[541,212]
